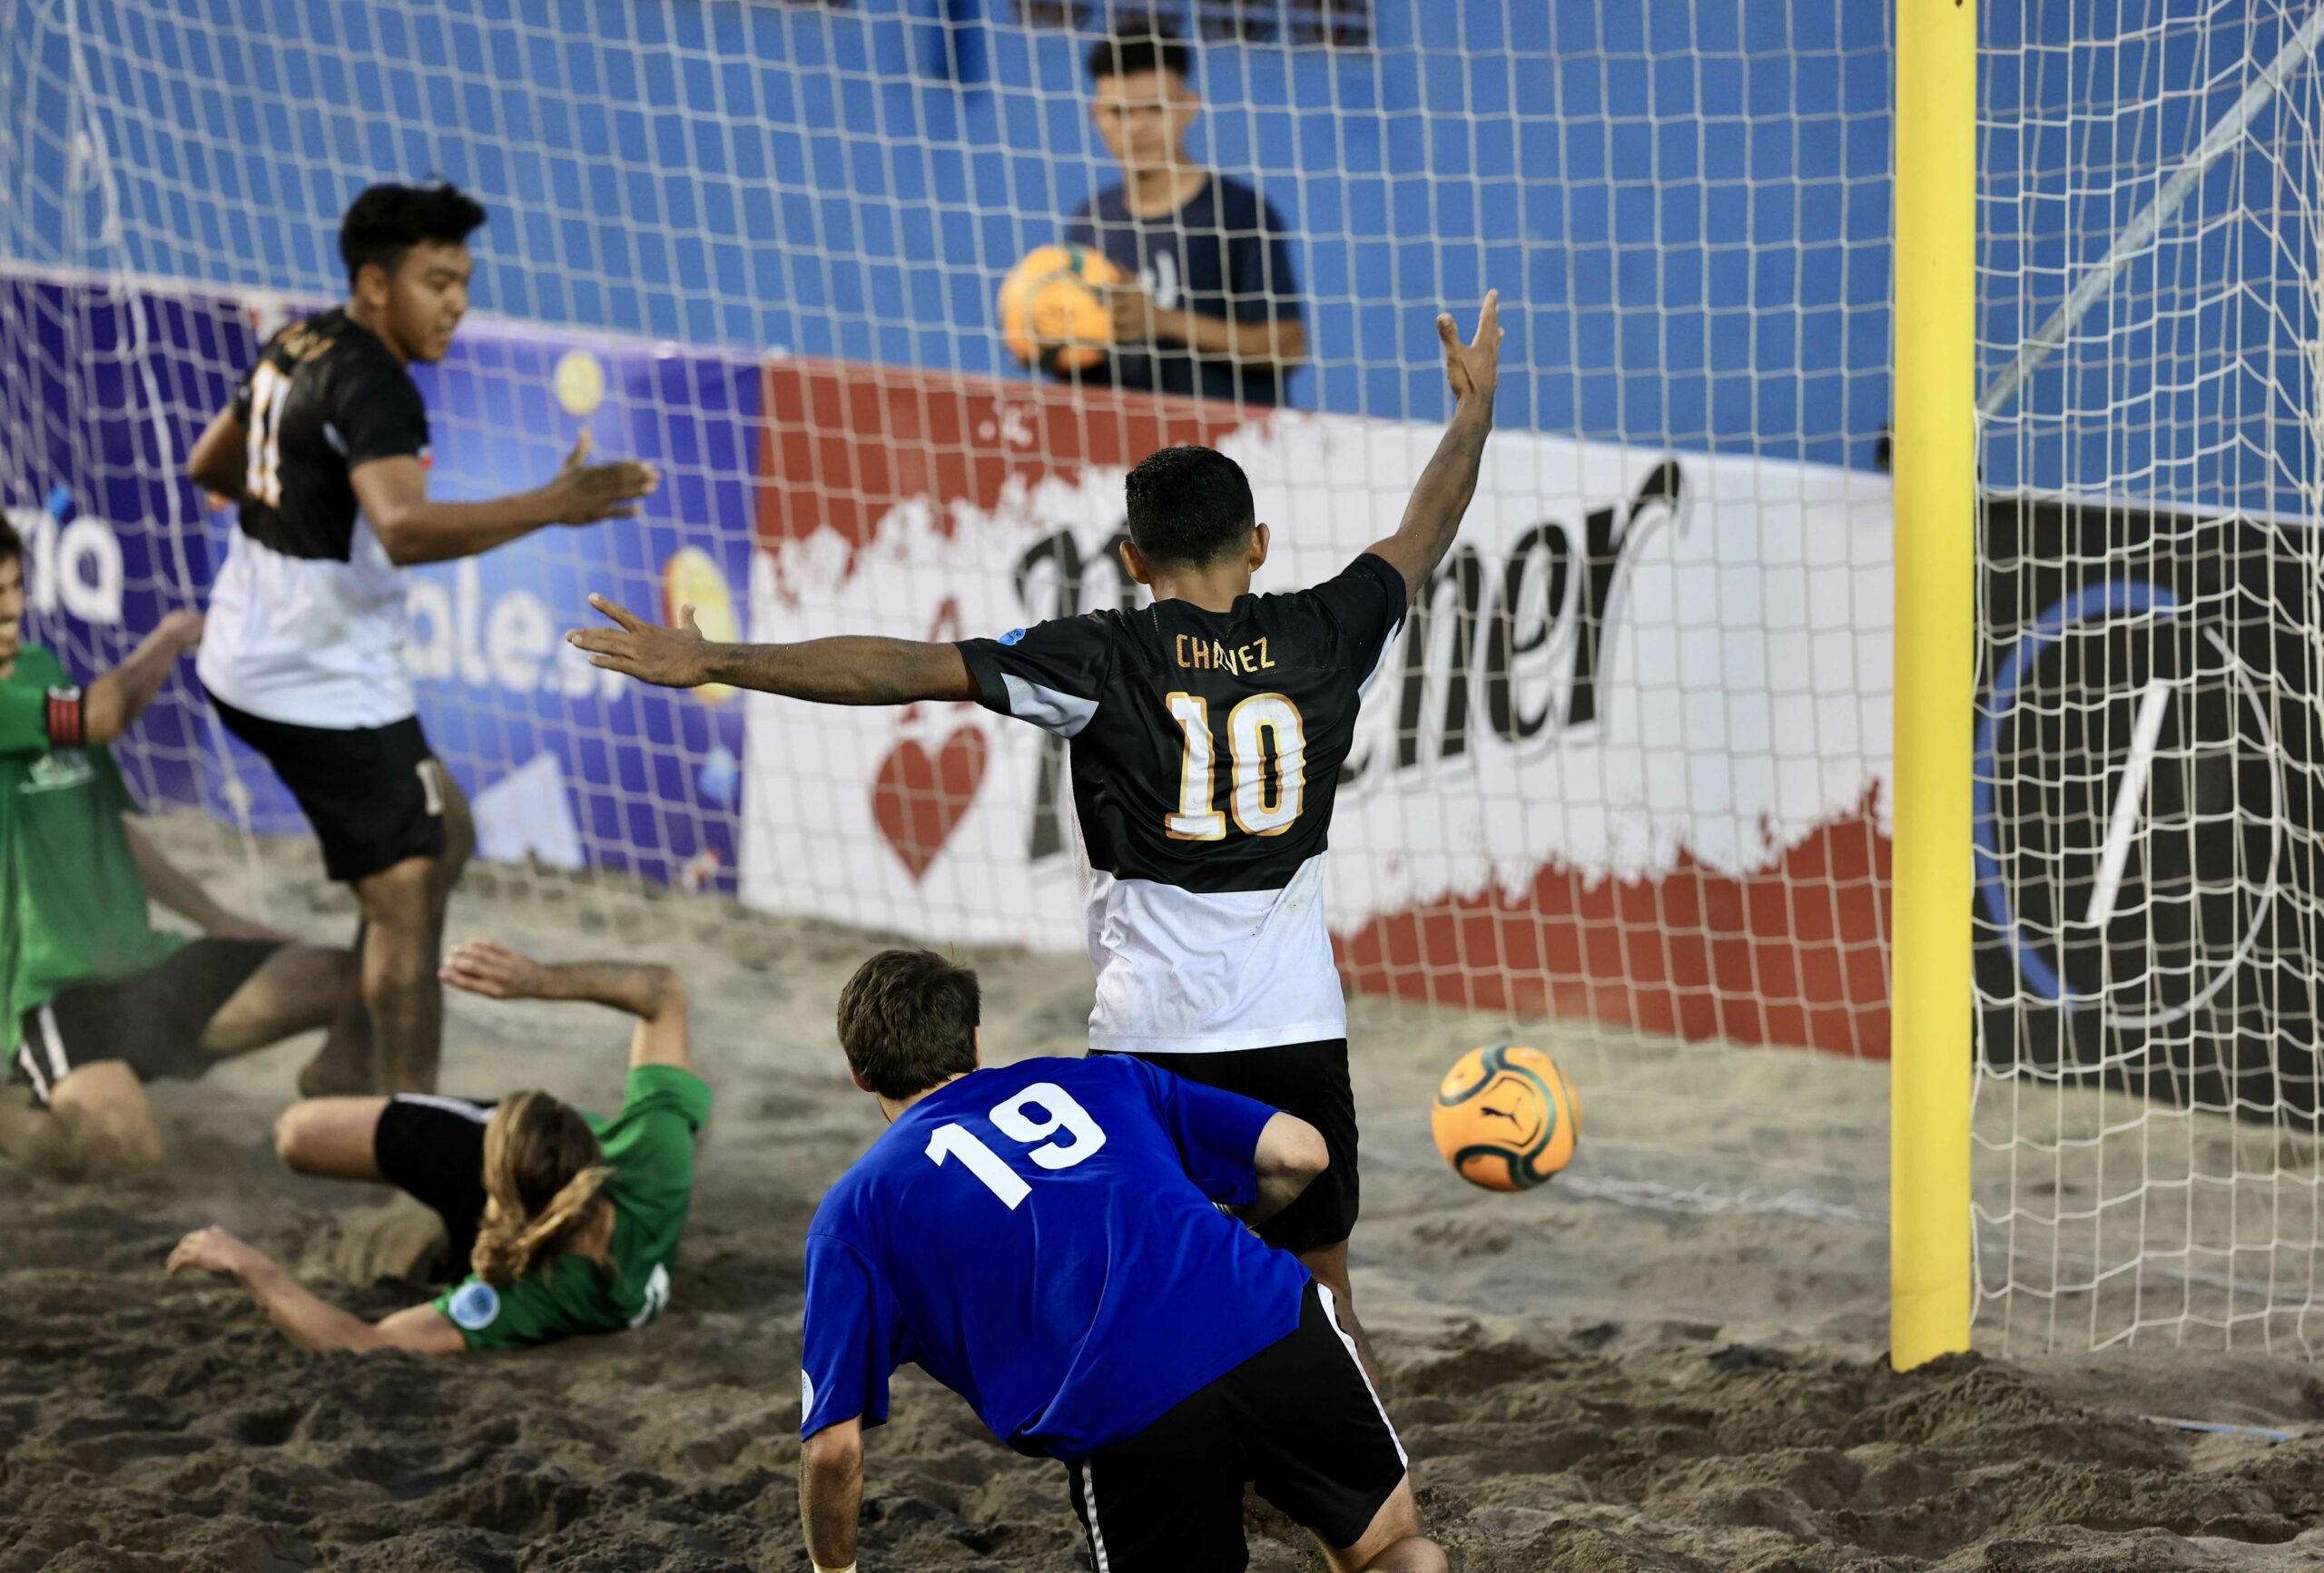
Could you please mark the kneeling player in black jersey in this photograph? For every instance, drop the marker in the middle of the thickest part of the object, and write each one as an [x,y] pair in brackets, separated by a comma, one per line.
[1209,730]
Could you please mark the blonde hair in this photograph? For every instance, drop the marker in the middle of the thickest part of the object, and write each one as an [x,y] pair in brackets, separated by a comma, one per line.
[543,1179]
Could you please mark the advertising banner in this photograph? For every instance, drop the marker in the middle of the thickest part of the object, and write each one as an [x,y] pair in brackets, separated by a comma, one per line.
[567,765]
[1629,760]
[2149,771]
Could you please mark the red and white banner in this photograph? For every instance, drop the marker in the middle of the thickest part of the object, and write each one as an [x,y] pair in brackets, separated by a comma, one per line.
[1629,762]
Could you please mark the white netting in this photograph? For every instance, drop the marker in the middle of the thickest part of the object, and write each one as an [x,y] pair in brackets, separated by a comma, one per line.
[2149,757]
[1629,773]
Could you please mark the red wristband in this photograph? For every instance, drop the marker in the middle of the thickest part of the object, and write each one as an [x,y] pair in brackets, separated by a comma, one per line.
[65,723]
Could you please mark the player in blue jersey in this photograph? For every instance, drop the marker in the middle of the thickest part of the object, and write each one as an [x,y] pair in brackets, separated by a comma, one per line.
[1045,1239]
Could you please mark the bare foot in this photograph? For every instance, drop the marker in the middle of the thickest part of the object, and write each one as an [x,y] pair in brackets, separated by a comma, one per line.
[339,1072]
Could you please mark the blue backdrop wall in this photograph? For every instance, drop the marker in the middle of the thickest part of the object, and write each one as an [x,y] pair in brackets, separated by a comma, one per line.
[1685,202]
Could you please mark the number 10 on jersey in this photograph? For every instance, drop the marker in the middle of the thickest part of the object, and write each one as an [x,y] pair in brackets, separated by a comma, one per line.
[1268,748]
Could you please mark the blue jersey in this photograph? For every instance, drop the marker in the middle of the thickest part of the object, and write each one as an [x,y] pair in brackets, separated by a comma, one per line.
[1040,1238]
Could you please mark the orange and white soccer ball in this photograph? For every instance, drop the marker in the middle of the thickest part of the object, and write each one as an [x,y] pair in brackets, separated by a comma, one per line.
[1506,1118]
[1052,314]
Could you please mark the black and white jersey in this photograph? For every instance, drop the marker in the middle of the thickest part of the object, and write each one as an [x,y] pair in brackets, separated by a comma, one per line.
[306,622]
[1206,751]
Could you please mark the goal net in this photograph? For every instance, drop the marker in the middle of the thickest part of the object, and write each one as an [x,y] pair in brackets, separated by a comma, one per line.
[2148,748]
[1620,787]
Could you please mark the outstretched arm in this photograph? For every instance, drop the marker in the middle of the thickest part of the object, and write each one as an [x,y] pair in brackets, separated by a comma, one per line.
[111,704]
[1433,518]
[304,1320]
[174,888]
[653,994]
[831,1493]
[842,671]
[413,529]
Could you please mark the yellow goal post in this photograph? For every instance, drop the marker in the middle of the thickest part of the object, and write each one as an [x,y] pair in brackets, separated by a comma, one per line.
[1932,1062]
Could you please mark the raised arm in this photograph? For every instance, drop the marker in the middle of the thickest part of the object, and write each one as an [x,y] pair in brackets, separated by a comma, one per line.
[1291,1153]
[111,704]
[831,1493]
[1433,518]
[413,529]
[651,993]
[854,669]
[305,1321]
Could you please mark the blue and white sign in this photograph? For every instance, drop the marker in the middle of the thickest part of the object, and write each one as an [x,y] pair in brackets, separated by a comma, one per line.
[567,764]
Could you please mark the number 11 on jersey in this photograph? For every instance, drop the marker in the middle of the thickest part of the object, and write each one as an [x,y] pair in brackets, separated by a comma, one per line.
[269,389]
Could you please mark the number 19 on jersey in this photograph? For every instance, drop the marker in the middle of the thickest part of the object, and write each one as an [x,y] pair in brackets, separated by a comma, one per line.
[1014,1119]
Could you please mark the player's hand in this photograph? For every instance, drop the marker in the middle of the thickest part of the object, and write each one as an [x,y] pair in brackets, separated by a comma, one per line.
[215,1251]
[181,631]
[584,493]
[492,969]
[675,657]
[1474,368]
[1136,321]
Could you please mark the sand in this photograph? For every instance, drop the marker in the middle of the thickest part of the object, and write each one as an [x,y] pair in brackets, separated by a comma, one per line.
[1671,1359]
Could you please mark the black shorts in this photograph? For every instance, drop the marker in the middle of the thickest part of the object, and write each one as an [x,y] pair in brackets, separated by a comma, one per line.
[1299,1419]
[1309,1080]
[151,1020]
[374,794]
[432,1147]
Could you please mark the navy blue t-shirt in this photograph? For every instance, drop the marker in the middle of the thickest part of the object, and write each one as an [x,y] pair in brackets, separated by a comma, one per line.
[1040,1238]
[1224,254]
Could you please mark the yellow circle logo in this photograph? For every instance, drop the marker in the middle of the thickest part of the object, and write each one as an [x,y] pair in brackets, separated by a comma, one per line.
[692,577]
[578,382]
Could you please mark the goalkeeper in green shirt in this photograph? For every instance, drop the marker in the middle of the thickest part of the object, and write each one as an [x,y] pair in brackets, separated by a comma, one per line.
[566,1222]
[98,1000]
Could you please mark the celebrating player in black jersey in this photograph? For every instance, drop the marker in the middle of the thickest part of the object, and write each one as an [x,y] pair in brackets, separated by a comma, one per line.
[1208,733]
[325,447]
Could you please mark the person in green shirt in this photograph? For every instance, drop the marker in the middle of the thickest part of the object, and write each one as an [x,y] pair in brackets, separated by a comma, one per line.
[101,999]
[567,1222]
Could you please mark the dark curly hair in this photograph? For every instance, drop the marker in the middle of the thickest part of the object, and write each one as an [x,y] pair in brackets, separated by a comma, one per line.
[387,221]
[1140,45]
[1189,506]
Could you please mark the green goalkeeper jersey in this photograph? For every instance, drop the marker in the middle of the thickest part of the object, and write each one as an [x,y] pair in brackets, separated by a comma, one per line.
[73,906]
[650,1145]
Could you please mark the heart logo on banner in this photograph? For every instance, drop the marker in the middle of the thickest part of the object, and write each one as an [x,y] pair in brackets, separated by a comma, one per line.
[918,798]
